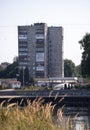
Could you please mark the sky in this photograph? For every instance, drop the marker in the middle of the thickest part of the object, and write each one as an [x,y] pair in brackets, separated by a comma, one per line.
[72,15]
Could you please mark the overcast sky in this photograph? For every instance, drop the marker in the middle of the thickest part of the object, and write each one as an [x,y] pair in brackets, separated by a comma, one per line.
[73,15]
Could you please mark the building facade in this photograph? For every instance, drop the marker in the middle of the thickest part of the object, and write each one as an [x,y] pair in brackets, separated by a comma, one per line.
[40,48]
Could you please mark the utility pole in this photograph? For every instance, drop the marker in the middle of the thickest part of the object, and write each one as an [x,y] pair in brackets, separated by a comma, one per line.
[23,76]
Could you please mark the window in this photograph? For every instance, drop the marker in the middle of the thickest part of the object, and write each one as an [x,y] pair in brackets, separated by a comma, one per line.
[22,63]
[39,57]
[23,49]
[22,36]
[22,43]
[23,58]
[40,31]
[22,53]
[39,49]
[39,36]
[40,68]
[40,41]
[39,74]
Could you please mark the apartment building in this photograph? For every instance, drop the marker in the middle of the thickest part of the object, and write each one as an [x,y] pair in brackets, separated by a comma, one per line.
[40,48]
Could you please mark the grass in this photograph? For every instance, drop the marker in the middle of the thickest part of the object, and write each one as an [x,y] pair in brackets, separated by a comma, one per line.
[88,80]
[36,88]
[34,116]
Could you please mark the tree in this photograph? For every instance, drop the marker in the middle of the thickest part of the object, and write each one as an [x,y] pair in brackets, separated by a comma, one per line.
[20,77]
[26,75]
[85,63]
[78,70]
[10,71]
[15,59]
[69,68]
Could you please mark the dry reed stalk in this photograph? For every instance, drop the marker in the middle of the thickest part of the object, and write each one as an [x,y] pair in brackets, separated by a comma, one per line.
[83,126]
[56,95]
[50,93]
[34,116]
[48,109]
[2,103]
[62,98]
[10,99]
[11,105]
[75,118]
[69,123]
[60,114]
[21,101]
[39,101]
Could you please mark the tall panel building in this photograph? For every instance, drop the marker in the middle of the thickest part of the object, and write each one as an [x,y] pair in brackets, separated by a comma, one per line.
[40,48]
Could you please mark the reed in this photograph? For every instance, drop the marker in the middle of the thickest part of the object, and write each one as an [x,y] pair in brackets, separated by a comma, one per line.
[35,116]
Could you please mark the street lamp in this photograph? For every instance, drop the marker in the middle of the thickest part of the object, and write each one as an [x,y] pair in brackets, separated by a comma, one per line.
[17,75]
[23,75]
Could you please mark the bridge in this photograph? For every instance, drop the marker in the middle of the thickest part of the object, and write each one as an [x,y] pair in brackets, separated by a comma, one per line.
[68,97]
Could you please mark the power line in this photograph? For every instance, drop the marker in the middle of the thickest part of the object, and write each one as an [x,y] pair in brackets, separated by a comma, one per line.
[64,24]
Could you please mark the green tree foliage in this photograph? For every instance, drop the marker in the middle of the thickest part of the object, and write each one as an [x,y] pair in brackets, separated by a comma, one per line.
[78,70]
[85,63]
[20,76]
[10,71]
[69,68]
[26,75]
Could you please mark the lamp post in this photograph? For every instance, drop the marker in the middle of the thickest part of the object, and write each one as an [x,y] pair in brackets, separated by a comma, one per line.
[49,81]
[17,75]
[23,75]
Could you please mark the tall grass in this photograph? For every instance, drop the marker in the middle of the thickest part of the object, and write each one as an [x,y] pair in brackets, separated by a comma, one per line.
[34,116]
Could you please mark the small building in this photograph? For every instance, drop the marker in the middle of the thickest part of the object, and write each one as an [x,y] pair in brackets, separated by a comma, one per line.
[10,83]
[15,84]
[4,65]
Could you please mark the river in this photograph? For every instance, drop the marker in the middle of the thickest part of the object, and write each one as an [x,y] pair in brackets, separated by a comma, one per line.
[76,117]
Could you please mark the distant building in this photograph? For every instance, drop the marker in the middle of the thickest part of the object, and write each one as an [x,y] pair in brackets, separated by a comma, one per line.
[10,83]
[40,48]
[15,84]
[4,65]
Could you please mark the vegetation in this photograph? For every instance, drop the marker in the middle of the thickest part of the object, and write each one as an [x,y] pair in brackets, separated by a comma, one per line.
[88,80]
[34,116]
[69,68]
[35,88]
[82,87]
[12,72]
[78,70]
[85,63]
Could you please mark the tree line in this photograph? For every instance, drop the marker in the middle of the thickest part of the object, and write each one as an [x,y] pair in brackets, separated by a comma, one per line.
[85,63]
[84,68]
